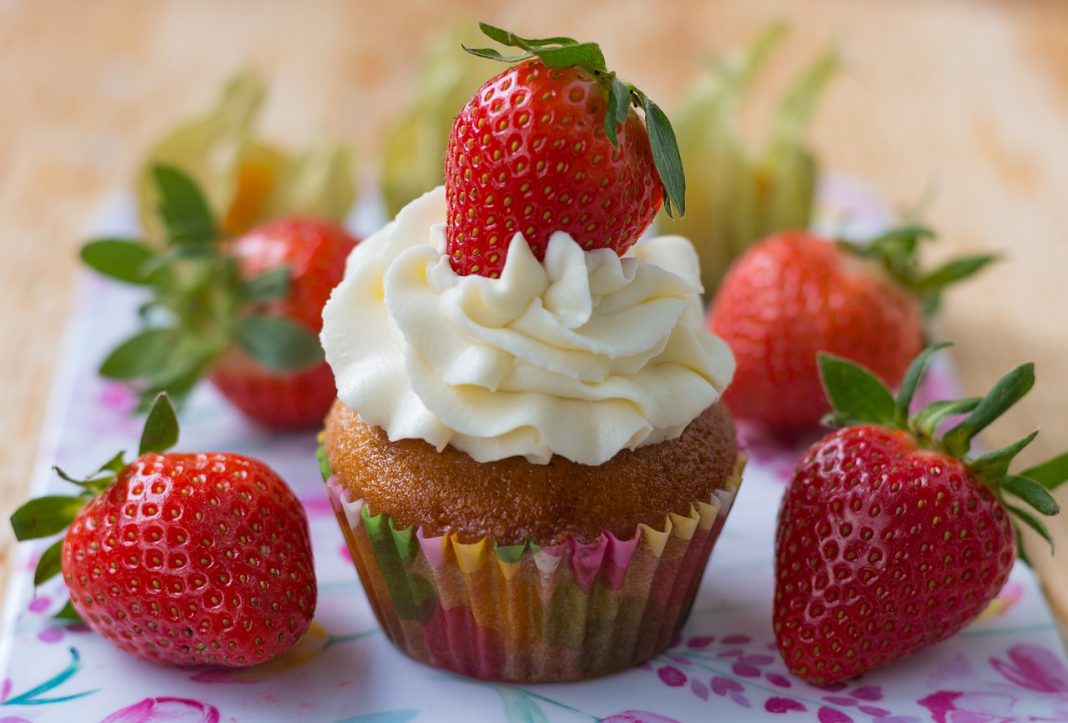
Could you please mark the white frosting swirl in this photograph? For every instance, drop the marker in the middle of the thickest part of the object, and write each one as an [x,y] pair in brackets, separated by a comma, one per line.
[581,356]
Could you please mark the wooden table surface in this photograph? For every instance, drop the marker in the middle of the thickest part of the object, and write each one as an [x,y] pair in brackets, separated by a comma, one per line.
[966,97]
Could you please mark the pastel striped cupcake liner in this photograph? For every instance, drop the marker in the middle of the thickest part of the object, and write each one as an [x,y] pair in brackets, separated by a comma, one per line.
[526,612]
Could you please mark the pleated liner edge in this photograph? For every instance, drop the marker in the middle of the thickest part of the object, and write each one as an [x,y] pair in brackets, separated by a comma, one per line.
[526,613]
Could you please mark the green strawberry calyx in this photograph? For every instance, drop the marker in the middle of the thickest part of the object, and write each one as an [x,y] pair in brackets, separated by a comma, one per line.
[561,52]
[200,305]
[897,252]
[858,397]
[52,514]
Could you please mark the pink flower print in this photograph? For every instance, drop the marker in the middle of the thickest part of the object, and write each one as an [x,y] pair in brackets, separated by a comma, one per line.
[317,506]
[868,692]
[832,715]
[117,397]
[1033,667]
[39,604]
[638,716]
[700,641]
[171,710]
[722,686]
[50,635]
[776,679]
[699,689]
[1038,690]
[949,706]
[736,639]
[729,688]
[778,704]
[672,676]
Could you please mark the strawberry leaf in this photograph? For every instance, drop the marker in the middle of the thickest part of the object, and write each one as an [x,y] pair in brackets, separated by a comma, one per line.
[68,614]
[1021,549]
[178,376]
[617,111]
[101,479]
[1008,390]
[64,476]
[120,259]
[1050,474]
[898,252]
[161,427]
[50,563]
[931,285]
[277,343]
[912,379]
[1032,493]
[45,516]
[901,240]
[114,465]
[268,286]
[666,156]
[559,52]
[856,395]
[186,215]
[585,55]
[955,270]
[994,465]
[1028,519]
[491,54]
[142,355]
[926,421]
[505,37]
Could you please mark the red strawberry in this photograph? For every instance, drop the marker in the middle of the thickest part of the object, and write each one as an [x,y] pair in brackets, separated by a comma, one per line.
[293,400]
[183,559]
[553,144]
[890,537]
[246,311]
[795,294]
[315,253]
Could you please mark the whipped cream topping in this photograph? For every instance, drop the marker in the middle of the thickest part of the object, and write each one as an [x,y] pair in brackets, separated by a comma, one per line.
[582,356]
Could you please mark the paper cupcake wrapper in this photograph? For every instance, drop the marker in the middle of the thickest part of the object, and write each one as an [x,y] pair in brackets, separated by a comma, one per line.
[528,612]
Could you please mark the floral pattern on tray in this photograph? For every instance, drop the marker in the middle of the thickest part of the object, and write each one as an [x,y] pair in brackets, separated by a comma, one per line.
[1008,666]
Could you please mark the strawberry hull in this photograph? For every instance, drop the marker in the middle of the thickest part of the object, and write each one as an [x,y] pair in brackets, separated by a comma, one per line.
[528,613]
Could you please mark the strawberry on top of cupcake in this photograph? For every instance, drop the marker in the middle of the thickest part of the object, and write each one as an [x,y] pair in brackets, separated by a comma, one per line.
[510,313]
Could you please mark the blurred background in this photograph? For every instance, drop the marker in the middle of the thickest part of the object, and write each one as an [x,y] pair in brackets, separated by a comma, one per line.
[956,106]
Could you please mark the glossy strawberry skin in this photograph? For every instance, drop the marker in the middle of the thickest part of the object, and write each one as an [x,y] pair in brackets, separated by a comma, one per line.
[793,295]
[281,401]
[315,253]
[529,153]
[882,548]
[193,559]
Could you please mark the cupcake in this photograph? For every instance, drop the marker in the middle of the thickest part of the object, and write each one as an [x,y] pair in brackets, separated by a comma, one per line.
[528,457]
